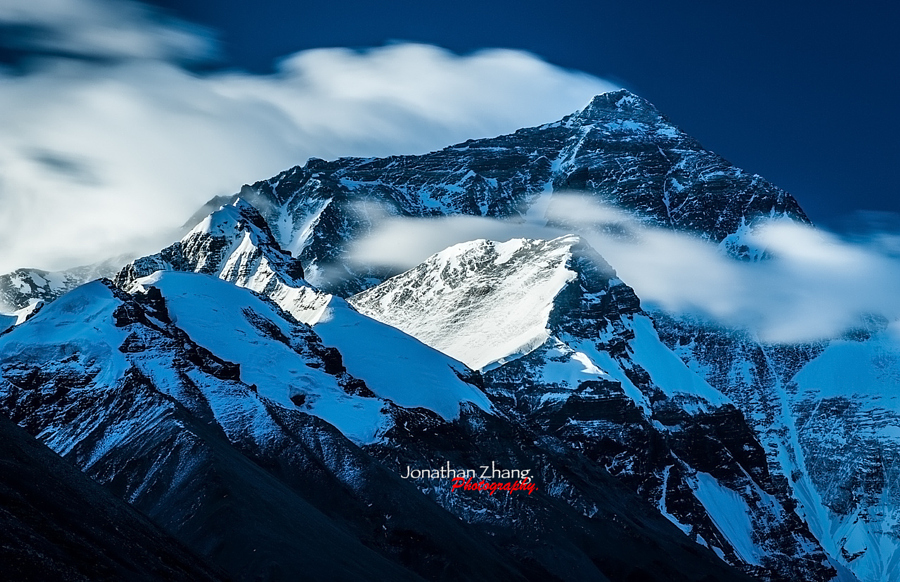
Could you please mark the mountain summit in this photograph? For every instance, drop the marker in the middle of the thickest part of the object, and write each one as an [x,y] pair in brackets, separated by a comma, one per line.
[616,106]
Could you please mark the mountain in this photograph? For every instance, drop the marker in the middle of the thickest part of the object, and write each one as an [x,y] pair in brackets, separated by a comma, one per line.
[235,244]
[618,150]
[57,524]
[255,390]
[566,349]
[112,385]
[24,288]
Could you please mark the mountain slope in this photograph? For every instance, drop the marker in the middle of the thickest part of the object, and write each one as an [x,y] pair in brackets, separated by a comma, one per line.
[55,523]
[25,287]
[577,381]
[848,429]
[107,380]
[235,244]
[266,490]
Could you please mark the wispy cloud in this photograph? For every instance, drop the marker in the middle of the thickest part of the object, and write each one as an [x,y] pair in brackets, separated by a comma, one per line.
[110,154]
[102,29]
[813,285]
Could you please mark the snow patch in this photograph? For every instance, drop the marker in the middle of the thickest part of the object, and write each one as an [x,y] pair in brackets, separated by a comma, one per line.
[730,514]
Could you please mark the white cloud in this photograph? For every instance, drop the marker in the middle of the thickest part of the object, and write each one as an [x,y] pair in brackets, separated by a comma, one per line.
[814,285]
[109,29]
[401,243]
[99,158]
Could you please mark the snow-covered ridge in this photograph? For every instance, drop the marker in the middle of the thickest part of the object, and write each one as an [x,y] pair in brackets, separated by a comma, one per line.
[235,244]
[24,288]
[275,355]
[137,391]
[488,303]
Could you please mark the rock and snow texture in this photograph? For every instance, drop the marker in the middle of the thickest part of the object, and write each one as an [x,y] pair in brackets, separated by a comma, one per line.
[846,404]
[566,354]
[480,302]
[566,349]
[487,303]
[23,288]
[239,471]
[254,342]
[827,415]
[234,243]
[240,328]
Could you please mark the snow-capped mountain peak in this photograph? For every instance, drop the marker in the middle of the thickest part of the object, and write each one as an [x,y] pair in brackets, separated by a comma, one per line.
[489,303]
[220,343]
[235,243]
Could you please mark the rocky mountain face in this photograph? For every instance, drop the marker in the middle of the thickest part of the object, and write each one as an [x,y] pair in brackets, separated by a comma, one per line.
[493,290]
[827,415]
[111,384]
[618,150]
[235,244]
[260,396]
[23,289]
